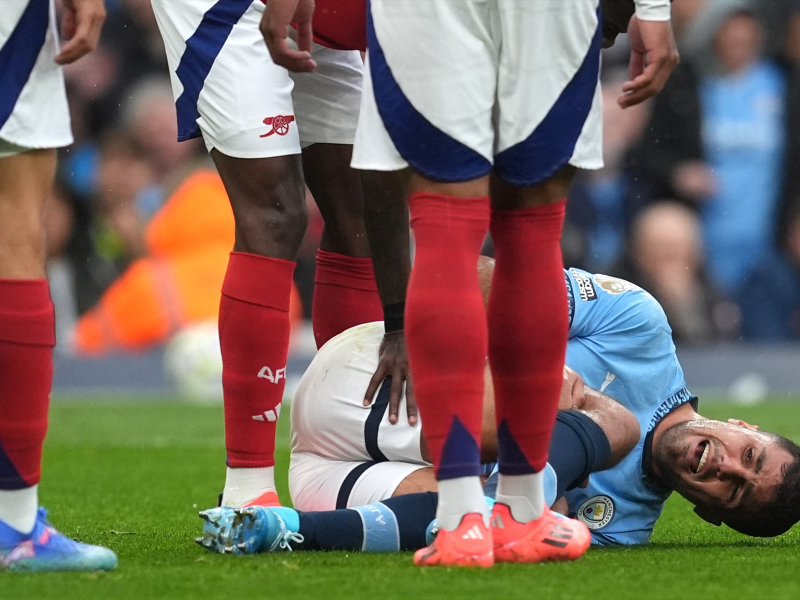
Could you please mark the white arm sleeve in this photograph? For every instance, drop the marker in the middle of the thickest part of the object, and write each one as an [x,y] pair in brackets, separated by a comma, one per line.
[653,10]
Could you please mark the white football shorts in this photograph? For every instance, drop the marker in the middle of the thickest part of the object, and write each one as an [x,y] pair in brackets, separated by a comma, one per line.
[228,90]
[33,98]
[343,453]
[459,88]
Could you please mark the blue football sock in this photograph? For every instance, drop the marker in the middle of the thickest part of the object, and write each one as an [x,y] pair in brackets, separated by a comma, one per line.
[388,526]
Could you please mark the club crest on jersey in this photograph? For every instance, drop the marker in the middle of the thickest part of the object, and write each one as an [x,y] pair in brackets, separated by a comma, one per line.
[596,512]
[280,124]
[266,373]
[585,286]
[614,285]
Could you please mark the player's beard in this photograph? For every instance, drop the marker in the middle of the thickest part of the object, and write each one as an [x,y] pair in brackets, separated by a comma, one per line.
[669,453]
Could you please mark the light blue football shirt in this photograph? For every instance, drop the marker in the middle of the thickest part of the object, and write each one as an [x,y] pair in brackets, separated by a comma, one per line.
[621,344]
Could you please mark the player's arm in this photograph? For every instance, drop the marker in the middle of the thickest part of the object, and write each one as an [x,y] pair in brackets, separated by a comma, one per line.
[81,23]
[654,53]
[614,425]
[386,219]
[279,16]
[618,424]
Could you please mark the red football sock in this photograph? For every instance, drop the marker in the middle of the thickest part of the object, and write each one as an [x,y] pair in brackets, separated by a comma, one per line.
[27,337]
[345,295]
[527,332]
[254,336]
[446,327]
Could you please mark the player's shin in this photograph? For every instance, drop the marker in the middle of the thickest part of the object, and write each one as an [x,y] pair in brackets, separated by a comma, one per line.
[254,337]
[447,340]
[527,343]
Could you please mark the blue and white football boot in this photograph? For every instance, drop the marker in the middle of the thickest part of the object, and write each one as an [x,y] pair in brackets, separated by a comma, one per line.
[47,549]
[249,530]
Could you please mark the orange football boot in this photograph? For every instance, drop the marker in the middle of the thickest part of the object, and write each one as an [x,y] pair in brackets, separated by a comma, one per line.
[265,499]
[551,537]
[469,545]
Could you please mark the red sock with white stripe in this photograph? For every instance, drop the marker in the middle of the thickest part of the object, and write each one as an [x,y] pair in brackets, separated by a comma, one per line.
[27,337]
[254,337]
[528,324]
[345,295]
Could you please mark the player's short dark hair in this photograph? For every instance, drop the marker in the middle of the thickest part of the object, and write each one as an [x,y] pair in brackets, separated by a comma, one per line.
[783,511]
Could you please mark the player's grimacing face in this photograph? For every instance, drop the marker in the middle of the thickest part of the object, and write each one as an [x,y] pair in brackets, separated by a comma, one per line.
[720,466]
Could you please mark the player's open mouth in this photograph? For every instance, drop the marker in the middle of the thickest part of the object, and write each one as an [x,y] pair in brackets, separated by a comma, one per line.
[700,456]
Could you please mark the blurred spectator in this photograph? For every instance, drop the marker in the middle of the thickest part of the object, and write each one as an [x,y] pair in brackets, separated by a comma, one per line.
[149,116]
[770,298]
[131,37]
[666,258]
[123,175]
[745,112]
[601,202]
[719,141]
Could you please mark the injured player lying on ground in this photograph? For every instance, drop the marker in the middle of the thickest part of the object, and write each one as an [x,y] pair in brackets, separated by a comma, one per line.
[647,442]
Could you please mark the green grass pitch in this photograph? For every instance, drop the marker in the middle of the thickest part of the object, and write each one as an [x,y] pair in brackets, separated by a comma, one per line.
[132,476]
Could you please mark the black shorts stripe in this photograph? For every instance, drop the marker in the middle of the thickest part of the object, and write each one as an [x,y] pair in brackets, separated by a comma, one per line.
[350,482]
[374,419]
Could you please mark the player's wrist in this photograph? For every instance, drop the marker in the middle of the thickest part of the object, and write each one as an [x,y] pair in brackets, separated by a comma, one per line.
[393,317]
[653,10]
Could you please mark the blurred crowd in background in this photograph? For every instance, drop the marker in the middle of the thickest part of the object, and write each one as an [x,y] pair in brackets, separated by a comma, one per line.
[699,201]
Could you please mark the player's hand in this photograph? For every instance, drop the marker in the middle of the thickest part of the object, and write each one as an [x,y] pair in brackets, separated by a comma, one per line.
[81,23]
[654,55]
[572,394]
[279,15]
[394,363]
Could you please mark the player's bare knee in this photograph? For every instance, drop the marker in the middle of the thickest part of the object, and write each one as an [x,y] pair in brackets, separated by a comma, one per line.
[273,228]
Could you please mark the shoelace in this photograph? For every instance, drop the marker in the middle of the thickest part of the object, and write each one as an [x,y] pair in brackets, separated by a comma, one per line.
[283,540]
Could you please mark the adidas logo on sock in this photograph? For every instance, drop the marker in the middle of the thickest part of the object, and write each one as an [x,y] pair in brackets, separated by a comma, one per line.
[474,533]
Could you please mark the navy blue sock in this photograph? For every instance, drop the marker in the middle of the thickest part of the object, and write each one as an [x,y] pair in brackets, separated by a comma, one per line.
[389,526]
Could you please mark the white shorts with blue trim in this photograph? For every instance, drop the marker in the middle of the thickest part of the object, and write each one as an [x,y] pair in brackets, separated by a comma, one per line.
[458,88]
[228,90]
[33,98]
[343,453]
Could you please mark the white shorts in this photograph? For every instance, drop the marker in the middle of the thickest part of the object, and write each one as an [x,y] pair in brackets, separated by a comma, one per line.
[33,98]
[345,454]
[228,89]
[509,85]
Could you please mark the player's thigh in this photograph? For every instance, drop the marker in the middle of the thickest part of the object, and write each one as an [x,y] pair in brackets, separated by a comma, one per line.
[26,180]
[433,66]
[225,84]
[327,101]
[317,483]
[547,86]
[268,200]
[328,414]
[336,189]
